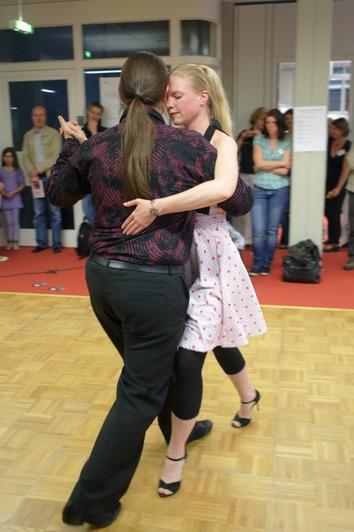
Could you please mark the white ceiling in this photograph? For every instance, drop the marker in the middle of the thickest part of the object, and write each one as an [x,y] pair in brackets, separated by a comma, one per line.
[236,2]
[15,2]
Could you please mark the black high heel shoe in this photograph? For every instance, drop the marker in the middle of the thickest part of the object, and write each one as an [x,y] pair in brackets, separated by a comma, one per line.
[173,487]
[244,421]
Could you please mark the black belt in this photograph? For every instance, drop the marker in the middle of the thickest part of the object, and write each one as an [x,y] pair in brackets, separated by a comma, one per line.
[121,265]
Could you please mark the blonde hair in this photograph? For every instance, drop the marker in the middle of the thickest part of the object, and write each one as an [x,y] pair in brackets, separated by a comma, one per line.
[260,112]
[204,78]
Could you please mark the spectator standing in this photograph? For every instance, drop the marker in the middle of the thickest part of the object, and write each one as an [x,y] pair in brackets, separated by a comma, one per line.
[271,154]
[41,147]
[284,240]
[13,182]
[337,174]
[92,127]
[350,188]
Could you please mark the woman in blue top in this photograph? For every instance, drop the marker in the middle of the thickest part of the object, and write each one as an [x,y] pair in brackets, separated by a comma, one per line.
[271,156]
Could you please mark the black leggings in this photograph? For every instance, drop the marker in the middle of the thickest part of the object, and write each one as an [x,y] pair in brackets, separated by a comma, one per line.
[188,389]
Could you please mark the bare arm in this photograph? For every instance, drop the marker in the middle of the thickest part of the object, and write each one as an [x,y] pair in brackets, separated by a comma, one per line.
[269,166]
[211,192]
[203,195]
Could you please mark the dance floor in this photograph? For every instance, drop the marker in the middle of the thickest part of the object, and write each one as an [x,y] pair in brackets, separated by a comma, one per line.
[290,470]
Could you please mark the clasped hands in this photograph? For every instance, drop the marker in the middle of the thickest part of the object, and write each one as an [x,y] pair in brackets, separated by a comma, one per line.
[71,130]
[331,194]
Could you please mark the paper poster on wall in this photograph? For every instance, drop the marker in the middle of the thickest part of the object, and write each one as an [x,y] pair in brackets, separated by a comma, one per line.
[310,128]
[109,98]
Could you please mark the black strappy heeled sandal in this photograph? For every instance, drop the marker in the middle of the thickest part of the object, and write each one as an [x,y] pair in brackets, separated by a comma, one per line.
[244,421]
[173,487]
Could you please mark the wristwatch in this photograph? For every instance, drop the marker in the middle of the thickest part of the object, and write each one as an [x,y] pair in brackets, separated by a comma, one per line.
[153,208]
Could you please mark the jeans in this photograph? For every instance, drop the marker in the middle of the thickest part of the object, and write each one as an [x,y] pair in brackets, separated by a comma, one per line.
[88,208]
[267,212]
[42,208]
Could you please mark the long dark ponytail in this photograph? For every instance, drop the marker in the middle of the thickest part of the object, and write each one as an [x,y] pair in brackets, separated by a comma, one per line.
[143,83]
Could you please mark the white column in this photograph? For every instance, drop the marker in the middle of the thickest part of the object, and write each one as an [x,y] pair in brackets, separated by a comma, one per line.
[313,51]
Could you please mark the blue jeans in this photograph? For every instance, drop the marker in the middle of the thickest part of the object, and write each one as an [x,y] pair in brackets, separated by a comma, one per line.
[88,208]
[42,210]
[267,212]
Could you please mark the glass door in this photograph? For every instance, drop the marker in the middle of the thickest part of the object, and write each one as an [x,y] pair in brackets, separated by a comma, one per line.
[20,92]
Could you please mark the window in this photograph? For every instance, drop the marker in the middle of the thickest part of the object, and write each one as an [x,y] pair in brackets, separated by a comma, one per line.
[198,37]
[339,87]
[123,39]
[45,44]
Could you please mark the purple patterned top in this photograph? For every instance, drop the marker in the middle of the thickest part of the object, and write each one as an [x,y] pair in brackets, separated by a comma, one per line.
[181,159]
[12,179]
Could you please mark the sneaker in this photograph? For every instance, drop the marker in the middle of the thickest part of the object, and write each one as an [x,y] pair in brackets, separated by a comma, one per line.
[3,258]
[265,271]
[254,272]
[331,247]
[349,265]
[38,249]
[57,249]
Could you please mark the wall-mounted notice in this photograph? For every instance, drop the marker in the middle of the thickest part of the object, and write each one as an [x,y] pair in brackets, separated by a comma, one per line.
[310,128]
[109,98]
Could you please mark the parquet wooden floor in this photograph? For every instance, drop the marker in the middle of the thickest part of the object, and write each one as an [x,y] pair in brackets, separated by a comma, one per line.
[291,470]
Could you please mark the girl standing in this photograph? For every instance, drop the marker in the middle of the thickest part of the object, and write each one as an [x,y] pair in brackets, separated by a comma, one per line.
[13,180]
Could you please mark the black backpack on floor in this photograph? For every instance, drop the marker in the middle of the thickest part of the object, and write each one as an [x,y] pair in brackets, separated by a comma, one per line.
[303,263]
[83,236]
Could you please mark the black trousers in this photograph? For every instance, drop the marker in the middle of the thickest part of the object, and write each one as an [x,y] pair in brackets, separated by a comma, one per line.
[333,210]
[143,314]
[351,226]
[186,389]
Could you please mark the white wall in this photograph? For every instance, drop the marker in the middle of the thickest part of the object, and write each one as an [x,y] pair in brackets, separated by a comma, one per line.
[264,36]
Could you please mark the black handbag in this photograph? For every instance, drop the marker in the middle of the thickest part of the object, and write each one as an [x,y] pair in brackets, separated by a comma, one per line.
[293,272]
[303,263]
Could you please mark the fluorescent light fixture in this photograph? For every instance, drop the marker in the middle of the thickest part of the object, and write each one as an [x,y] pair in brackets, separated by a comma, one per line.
[14,108]
[49,91]
[21,26]
[103,71]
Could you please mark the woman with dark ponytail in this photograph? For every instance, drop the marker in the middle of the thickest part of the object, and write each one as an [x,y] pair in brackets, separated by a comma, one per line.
[136,282]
